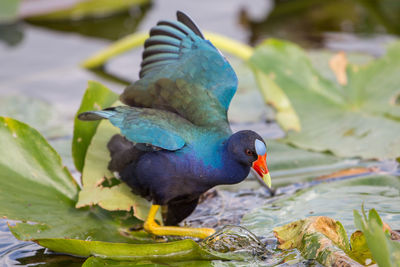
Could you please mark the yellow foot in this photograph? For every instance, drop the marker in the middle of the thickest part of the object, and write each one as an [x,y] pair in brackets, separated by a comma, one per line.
[154,228]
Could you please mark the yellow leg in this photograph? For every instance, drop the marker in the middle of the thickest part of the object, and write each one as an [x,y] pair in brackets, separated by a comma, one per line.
[154,228]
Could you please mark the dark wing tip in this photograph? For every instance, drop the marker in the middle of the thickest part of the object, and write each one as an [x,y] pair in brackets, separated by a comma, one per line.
[89,116]
[185,19]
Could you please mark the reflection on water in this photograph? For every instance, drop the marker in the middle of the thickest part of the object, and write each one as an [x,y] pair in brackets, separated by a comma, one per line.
[307,21]
[44,65]
[336,200]
[111,27]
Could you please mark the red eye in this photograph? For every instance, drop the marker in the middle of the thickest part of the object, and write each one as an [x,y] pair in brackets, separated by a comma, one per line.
[248,152]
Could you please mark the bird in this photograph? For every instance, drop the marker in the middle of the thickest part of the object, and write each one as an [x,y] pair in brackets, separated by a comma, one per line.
[175,141]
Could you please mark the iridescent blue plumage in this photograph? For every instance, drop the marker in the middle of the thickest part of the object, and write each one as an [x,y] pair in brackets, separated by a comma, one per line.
[176,140]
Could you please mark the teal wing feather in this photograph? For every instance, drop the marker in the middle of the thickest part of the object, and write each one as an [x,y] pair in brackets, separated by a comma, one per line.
[159,128]
[183,73]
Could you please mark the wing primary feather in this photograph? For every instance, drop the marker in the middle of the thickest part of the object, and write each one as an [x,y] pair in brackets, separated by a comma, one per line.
[153,66]
[159,39]
[96,115]
[168,31]
[158,58]
[185,19]
[177,25]
[156,64]
[158,49]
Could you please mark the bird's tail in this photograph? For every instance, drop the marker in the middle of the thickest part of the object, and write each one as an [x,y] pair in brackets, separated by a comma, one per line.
[122,152]
[97,115]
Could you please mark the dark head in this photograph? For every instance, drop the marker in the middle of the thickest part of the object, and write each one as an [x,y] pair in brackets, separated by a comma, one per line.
[248,148]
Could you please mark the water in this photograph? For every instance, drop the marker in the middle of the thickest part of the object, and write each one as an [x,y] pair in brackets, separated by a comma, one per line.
[39,65]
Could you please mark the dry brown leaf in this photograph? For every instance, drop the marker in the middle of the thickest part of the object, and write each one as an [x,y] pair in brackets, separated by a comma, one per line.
[338,64]
[348,172]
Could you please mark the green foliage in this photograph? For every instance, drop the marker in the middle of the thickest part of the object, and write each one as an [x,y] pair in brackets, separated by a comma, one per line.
[356,119]
[183,250]
[95,171]
[320,238]
[35,187]
[90,151]
[335,200]
[89,8]
[95,261]
[96,97]
[325,240]
[9,10]
[384,251]
[359,248]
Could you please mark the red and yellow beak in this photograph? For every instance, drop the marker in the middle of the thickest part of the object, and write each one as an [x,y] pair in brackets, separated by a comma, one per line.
[260,166]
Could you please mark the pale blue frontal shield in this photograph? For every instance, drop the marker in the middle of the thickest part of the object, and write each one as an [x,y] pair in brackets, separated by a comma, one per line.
[261,149]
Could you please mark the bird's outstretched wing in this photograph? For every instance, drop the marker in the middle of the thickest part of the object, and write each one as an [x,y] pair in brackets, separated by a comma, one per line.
[183,73]
[158,128]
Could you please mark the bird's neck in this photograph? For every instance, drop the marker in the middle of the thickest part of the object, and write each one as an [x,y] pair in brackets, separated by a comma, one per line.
[232,171]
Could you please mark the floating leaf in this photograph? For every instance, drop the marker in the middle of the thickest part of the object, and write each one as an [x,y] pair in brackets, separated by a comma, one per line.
[338,64]
[335,200]
[320,238]
[96,97]
[359,248]
[182,250]
[95,171]
[9,10]
[352,120]
[89,8]
[95,262]
[37,189]
[274,96]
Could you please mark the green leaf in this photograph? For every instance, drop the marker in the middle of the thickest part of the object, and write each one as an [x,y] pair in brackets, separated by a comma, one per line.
[95,261]
[336,200]
[384,251]
[320,238]
[357,119]
[96,97]
[95,172]
[121,46]
[359,248]
[182,250]
[89,8]
[274,96]
[8,10]
[289,164]
[38,190]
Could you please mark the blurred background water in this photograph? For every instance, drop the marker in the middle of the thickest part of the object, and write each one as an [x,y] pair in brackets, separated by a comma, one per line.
[41,82]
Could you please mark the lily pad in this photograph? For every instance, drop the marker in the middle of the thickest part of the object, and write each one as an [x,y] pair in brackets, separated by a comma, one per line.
[320,238]
[90,151]
[325,240]
[89,8]
[96,261]
[96,97]
[34,182]
[9,10]
[359,119]
[335,200]
[95,172]
[360,251]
